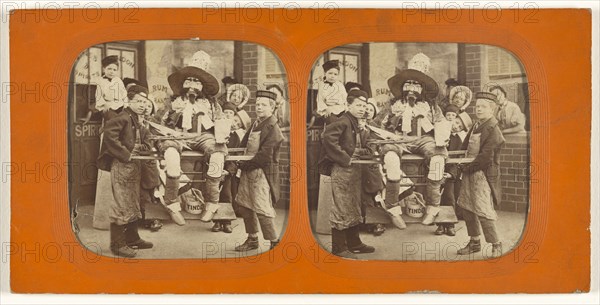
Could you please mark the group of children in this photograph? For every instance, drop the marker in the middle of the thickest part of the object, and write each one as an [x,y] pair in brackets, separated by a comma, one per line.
[127,110]
[474,200]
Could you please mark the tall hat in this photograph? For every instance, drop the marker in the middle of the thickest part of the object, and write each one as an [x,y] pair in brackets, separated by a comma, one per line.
[112,59]
[246,121]
[330,64]
[197,68]
[418,66]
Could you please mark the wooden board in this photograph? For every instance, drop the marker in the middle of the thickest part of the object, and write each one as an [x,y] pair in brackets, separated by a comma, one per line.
[325,202]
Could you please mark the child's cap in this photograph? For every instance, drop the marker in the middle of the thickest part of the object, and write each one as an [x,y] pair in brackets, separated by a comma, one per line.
[451,108]
[130,81]
[229,106]
[267,94]
[137,89]
[112,59]
[245,118]
[466,119]
[451,82]
[486,96]
[352,86]
[358,94]
[229,80]
[330,64]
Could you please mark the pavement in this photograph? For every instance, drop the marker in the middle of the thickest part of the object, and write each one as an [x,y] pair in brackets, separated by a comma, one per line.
[418,242]
[192,240]
[195,240]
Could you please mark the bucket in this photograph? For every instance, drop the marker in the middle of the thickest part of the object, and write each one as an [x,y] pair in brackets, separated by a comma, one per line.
[193,201]
[414,206]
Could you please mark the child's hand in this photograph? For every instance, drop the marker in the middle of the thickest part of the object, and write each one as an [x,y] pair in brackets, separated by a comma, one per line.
[327,113]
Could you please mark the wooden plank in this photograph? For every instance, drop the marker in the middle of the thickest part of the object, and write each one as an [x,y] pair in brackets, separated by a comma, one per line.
[194,156]
[325,202]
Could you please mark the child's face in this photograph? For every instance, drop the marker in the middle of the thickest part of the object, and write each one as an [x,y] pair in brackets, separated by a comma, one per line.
[264,109]
[236,97]
[357,108]
[459,99]
[457,125]
[228,113]
[450,116]
[138,104]
[369,112]
[148,109]
[236,123]
[484,109]
[111,71]
[331,75]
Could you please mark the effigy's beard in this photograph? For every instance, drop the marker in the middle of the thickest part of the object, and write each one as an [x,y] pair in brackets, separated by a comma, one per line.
[411,98]
[192,94]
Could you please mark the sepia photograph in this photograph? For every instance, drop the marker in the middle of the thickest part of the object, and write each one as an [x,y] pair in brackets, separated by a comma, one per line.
[418,151]
[178,149]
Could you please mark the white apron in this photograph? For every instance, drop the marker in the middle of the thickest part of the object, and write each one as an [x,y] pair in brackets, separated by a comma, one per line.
[475,192]
[254,191]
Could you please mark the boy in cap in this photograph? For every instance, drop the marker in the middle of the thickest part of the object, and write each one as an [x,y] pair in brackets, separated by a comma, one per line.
[124,136]
[343,142]
[481,186]
[259,188]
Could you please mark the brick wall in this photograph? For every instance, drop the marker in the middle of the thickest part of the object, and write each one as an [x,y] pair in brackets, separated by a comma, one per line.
[250,73]
[473,64]
[514,171]
[284,170]
[250,69]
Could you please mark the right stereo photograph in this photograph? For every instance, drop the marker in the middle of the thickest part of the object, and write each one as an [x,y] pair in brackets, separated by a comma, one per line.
[418,151]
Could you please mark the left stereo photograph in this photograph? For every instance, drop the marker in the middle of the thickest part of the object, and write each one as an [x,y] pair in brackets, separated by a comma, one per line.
[178,149]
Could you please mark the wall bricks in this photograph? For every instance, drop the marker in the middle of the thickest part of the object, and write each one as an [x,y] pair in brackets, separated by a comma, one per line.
[514,169]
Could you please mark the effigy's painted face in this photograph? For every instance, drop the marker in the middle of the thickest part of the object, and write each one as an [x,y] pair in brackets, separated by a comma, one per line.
[412,91]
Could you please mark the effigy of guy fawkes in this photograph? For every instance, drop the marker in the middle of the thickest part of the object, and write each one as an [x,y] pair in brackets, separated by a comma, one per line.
[204,128]
[419,126]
